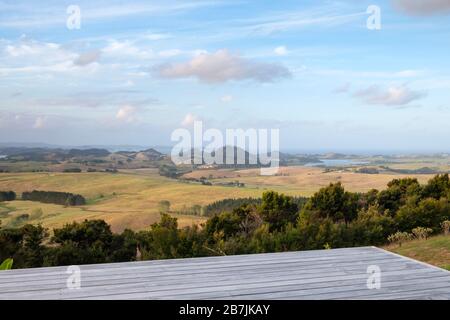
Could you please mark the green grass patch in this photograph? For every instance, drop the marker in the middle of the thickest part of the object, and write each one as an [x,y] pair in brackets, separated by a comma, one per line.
[435,250]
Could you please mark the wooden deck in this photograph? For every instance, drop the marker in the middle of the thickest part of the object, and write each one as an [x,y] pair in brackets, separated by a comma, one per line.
[321,274]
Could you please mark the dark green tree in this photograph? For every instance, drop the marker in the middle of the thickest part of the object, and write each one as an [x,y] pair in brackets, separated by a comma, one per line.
[278,210]
[437,187]
[333,202]
[397,193]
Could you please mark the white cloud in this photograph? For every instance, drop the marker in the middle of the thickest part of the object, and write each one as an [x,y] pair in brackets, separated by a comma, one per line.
[281,51]
[422,7]
[25,48]
[170,53]
[227,98]
[39,123]
[199,52]
[127,48]
[188,120]
[392,96]
[127,114]
[223,66]
[28,56]
[156,36]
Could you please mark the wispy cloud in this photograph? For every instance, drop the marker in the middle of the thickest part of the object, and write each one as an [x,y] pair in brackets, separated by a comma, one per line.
[391,96]
[321,16]
[22,16]
[27,56]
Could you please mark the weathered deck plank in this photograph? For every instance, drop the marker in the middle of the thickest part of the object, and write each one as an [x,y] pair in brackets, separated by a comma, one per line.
[318,274]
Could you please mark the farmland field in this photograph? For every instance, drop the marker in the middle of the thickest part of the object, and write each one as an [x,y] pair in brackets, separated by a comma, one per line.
[125,200]
[129,199]
[304,181]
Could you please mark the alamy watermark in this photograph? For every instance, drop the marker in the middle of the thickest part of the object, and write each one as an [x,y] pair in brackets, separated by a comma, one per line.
[74,279]
[74,19]
[374,279]
[374,20]
[239,147]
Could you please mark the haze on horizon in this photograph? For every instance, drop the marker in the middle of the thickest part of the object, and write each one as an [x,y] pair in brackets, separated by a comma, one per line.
[135,72]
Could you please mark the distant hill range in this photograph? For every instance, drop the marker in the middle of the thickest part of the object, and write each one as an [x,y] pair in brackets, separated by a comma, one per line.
[246,159]
[81,154]
[47,154]
[144,155]
[60,154]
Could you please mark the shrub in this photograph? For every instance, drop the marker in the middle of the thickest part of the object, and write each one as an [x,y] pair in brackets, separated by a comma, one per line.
[164,206]
[170,171]
[445,227]
[422,233]
[400,237]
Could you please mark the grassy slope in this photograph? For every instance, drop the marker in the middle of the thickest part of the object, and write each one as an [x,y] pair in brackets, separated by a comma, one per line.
[435,251]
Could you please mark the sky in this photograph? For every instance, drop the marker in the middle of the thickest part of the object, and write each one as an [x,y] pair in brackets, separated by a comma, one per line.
[133,72]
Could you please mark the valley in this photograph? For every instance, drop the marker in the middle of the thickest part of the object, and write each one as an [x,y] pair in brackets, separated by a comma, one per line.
[130,198]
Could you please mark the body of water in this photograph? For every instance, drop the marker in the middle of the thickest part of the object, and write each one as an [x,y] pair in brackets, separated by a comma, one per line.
[336,163]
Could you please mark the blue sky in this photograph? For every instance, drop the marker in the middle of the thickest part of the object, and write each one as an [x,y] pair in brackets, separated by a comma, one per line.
[136,71]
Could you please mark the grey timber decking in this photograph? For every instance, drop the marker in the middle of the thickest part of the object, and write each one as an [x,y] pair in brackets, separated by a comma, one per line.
[318,274]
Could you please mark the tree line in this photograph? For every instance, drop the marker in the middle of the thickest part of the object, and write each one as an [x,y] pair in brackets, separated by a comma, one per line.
[224,205]
[331,218]
[62,198]
[7,196]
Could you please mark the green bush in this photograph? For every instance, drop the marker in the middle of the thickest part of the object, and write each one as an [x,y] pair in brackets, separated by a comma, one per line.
[428,213]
